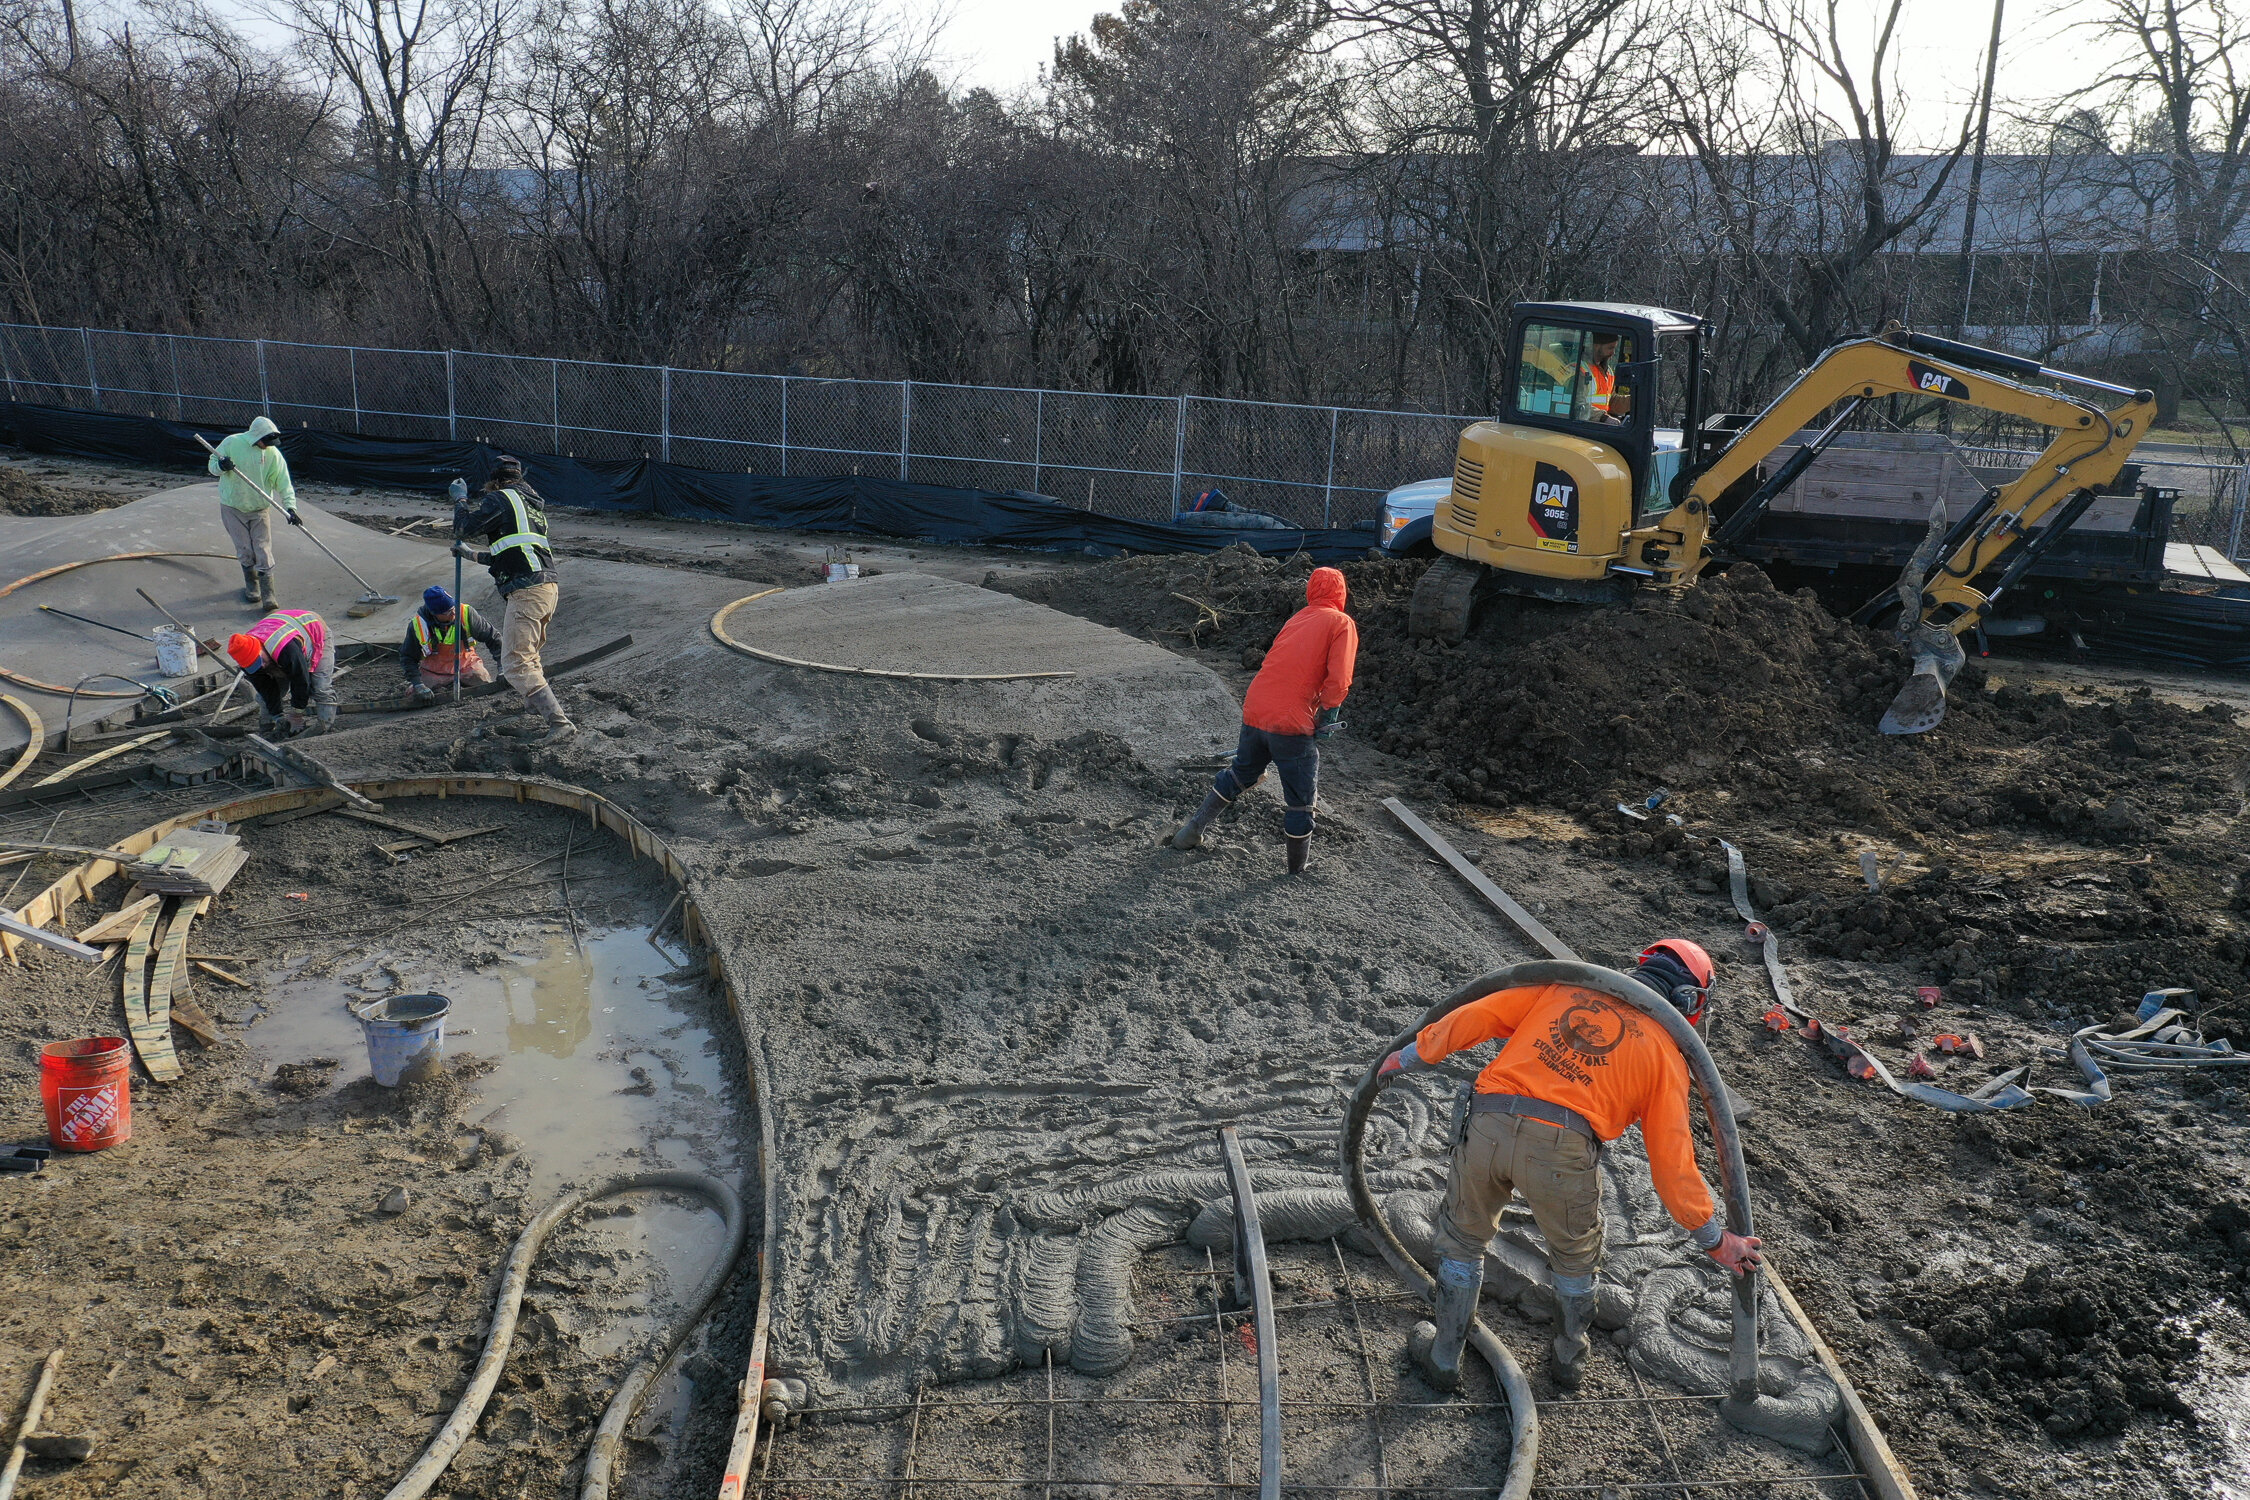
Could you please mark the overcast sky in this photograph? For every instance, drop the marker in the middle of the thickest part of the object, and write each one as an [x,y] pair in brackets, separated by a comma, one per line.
[1001,44]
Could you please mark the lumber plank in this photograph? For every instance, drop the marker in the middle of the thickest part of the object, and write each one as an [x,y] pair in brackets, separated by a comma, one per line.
[194,1020]
[99,756]
[119,923]
[148,1043]
[161,980]
[427,835]
[216,972]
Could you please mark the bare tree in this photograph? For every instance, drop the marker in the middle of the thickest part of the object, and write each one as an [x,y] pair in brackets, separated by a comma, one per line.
[1794,134]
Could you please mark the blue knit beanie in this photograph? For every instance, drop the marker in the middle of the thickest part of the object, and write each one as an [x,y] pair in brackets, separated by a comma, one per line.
[436,600]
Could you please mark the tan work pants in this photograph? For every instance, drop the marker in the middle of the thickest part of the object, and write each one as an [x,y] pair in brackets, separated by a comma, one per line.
[1558,1172]
[251,531]
[523,635]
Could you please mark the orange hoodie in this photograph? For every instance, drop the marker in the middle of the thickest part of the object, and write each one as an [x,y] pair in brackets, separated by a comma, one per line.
[1309,665]
[1598,1056]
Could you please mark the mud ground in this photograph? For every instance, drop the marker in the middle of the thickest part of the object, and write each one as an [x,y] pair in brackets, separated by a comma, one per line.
[241,1315]
[984,988]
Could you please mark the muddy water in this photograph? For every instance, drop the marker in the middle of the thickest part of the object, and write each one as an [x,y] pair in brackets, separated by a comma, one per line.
[599,1066]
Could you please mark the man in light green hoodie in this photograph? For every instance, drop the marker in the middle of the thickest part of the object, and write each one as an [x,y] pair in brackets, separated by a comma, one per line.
[254,456]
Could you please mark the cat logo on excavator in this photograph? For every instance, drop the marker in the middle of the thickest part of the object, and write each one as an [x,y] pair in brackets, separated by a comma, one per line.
[1630,487]
[1554,509]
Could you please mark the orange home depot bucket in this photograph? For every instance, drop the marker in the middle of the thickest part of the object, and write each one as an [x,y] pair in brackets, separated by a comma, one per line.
[88,1092]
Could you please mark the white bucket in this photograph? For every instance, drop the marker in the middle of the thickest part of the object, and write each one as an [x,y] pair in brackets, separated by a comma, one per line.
[838,572]
[175,651]
[405,1037]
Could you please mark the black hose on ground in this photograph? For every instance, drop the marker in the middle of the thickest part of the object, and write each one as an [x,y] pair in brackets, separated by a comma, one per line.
[427,1469]
[1523,1454]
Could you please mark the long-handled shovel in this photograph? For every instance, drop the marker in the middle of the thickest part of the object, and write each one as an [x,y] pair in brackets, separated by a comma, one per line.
[370,601]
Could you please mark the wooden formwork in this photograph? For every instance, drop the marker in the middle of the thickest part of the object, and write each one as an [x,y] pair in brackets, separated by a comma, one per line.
[50,906]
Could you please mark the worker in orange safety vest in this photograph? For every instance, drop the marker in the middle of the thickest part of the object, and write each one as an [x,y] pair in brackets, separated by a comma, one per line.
[434,651]
[1579,1067]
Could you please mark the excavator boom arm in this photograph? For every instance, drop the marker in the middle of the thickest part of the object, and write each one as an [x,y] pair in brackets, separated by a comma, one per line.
[2089,446]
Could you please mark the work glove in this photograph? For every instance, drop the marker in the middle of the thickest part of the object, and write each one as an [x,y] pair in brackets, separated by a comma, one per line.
[423,693]
[295,519]
[1737,1253]
[226,464]
[296,720]
[1404,1060]
[465,552]
[458,491]
[1327,722]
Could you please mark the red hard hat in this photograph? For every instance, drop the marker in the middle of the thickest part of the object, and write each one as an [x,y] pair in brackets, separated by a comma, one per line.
[1691,957]
[245,651]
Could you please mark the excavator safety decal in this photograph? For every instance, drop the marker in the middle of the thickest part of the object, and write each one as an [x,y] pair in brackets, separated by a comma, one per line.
[1554,509]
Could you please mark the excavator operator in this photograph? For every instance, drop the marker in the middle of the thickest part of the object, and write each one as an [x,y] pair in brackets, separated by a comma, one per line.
[1581,1068]
[1605,401]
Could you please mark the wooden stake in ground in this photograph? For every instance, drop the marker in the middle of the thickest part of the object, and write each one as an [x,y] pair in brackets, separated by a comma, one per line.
[32,1412]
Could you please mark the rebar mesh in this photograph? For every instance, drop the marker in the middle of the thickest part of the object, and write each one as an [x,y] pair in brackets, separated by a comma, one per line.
[1139,457]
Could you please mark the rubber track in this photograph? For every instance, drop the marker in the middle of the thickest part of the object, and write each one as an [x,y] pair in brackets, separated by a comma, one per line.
[1444,602]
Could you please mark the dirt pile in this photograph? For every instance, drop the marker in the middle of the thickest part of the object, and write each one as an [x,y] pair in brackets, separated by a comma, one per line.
[2080,1353]
[23,495]
[1756,710]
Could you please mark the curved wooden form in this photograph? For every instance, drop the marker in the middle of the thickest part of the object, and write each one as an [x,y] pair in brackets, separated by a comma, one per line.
[31,746]
[726,611]
[78,884]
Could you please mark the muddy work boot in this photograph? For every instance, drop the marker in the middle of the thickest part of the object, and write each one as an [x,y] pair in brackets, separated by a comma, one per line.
[544,703]
[1437,1346]
[1191,832]
[1571,1346]
[249,585]
[1300,850]
[265,592]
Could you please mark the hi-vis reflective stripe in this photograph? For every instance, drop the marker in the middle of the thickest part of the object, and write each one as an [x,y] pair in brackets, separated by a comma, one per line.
[452,632]
[533,542]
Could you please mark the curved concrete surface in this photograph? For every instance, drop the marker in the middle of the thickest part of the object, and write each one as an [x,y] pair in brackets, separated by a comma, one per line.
[915,625]
[600,600]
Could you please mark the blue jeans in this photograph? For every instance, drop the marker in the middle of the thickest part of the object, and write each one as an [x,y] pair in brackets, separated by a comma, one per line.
[1295,756]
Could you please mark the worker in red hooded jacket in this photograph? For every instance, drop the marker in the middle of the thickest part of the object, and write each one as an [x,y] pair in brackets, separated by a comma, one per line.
[1295,701]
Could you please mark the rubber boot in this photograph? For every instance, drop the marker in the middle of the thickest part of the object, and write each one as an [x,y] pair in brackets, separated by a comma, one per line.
[544,703]
[1571,1345]
[266,599]
[1437,1346]
[1191,832]
[249,585]
[1300,850]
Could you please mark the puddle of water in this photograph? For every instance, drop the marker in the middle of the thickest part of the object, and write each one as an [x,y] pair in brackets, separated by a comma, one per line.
[598,1067]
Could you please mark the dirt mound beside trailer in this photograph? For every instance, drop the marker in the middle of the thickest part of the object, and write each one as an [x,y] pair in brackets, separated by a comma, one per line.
[2030,846]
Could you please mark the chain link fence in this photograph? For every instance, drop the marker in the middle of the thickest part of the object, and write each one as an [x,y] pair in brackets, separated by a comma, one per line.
[1139,457]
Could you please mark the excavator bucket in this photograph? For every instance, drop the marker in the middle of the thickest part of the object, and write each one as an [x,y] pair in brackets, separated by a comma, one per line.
[1920,704]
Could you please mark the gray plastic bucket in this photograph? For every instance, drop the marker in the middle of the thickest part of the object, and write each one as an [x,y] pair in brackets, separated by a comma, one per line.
[405,1036]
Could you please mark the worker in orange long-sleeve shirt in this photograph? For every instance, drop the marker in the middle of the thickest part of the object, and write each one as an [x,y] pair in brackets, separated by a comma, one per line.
[1295,701]
[1579,1069]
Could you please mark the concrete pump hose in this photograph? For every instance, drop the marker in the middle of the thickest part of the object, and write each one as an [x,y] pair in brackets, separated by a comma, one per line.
[1735,1188]
[427,1469]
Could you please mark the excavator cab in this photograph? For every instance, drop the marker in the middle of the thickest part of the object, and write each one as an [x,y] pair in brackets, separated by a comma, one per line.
[1586,450]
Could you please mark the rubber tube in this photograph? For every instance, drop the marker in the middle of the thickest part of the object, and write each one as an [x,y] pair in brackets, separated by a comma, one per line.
[1734,1181]
[431,1466]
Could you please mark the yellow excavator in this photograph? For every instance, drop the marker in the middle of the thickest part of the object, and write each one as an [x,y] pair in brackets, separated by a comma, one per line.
[1604,475]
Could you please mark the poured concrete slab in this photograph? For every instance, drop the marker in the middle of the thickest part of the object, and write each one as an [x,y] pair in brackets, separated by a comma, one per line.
[601,601]
[916,625]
